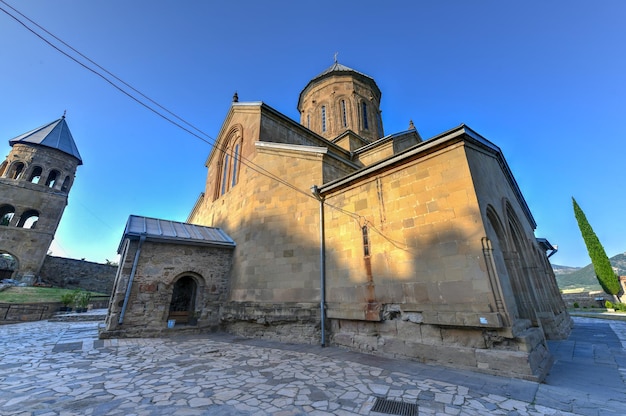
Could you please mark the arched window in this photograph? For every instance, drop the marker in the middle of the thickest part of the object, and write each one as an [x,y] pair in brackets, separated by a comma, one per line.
[229,165]
[66,184]
[52,178]
[35,175]
[225,170]
[366,241]
[6,214]
[323,118]
[364,114]
[344,115]
[18,170]
[235,166]
[29,219]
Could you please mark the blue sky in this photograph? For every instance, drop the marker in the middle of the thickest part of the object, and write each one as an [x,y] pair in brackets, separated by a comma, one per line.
[545,81]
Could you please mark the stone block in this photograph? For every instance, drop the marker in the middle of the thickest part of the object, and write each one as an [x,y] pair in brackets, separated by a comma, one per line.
[431,334]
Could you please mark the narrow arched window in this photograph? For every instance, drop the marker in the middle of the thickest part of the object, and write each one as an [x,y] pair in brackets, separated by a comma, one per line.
[18,170]
[29,219]
[235,166]
[229,164]
[35,176]
[323,118]
[66,184]
[225,174]
[6,214]
[366,241]
[344,116]
[308,121]
[379,121]
[364,114]
[52,178]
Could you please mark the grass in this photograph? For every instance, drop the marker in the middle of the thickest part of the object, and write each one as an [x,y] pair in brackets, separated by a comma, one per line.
[31,294]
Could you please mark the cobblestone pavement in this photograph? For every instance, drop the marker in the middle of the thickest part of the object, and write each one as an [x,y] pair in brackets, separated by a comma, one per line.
[61,368]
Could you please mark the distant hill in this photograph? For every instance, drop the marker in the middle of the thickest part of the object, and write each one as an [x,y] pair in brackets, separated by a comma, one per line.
[585,277]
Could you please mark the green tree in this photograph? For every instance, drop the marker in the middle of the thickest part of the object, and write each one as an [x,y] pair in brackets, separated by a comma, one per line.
[601,263]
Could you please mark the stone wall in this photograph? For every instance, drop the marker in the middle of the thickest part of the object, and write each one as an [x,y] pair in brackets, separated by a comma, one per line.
[594,299]
[159,266]
[78,274]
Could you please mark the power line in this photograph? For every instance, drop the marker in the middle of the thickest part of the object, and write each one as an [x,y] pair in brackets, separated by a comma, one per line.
[210,141]
[198,133]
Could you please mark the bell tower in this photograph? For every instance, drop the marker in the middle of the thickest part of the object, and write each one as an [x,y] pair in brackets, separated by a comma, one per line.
[341,99]
[35,180]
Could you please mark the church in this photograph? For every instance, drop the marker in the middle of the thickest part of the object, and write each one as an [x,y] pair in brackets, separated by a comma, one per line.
[330,231]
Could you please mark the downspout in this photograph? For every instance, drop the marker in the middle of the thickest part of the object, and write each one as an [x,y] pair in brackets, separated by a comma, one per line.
[316,192]
[130,279]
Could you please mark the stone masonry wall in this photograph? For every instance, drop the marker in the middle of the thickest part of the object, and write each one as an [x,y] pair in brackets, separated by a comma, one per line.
[78,274]
[160,265]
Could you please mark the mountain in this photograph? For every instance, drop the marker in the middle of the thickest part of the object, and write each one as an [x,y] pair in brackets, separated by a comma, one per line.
[585,277]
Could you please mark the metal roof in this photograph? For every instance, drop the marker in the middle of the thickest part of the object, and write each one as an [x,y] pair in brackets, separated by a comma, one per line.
[55,135]
[337,67]
[173,231]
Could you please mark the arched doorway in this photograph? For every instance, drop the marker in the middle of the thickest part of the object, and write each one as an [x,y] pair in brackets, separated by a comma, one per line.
[8,265]
[183,299]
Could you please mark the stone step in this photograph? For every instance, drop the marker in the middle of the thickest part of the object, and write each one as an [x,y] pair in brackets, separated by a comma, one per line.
[93,315]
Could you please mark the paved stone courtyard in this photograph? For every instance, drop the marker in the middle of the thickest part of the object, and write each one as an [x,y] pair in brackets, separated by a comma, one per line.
[61,368]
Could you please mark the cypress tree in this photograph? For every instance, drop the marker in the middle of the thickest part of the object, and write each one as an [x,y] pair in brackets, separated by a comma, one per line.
[600,261]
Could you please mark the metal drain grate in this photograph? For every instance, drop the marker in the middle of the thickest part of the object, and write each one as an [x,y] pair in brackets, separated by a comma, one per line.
[392,407]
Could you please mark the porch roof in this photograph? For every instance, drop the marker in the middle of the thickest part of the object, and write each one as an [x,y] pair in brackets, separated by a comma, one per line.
[173,231]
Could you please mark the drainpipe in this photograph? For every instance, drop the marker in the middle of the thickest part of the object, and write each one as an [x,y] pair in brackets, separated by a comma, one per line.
[130,279]
[316,192]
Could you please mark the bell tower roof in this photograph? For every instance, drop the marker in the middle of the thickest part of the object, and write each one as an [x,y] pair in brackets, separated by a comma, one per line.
[55,135]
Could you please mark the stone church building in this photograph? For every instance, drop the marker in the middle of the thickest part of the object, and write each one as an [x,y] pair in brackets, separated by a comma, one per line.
[35,181]
[330,231]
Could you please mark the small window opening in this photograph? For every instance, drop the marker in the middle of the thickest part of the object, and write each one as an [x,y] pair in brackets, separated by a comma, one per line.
[366,241]
[6,214]
[308,121]
[29,219]
[344,116]
[52,178]
[365,123]
[323,118]
[36,175]
[66,184]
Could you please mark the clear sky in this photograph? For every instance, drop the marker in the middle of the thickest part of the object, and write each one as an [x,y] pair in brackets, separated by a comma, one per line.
[543,80]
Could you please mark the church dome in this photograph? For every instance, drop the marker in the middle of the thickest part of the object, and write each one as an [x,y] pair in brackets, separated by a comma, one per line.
[339,99]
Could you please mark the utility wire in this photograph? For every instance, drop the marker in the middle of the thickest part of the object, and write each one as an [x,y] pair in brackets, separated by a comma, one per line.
[208,140]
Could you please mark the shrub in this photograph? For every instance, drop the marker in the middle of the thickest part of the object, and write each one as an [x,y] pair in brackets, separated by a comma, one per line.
[576,305]
[67,298]
[608,304]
